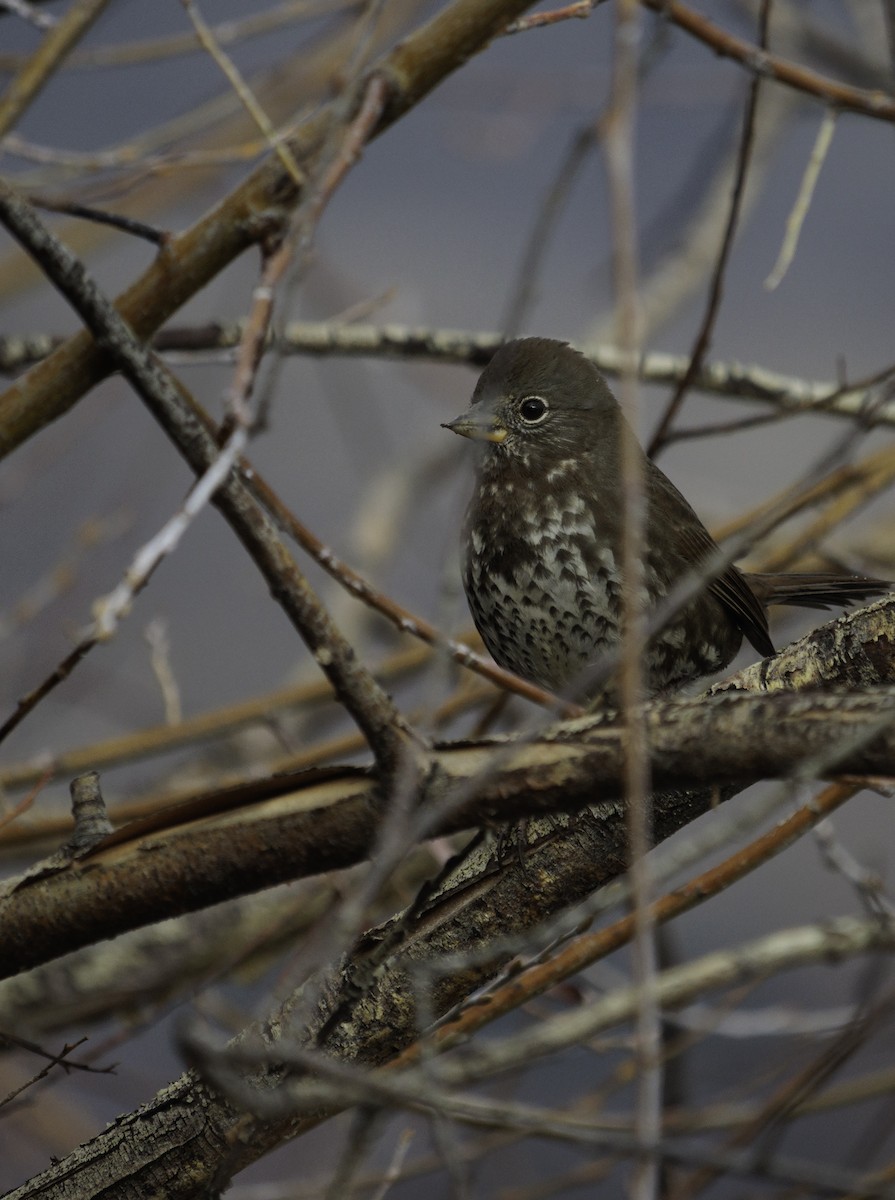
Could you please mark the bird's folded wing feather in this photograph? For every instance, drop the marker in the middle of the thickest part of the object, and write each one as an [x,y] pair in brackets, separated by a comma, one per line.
[696,547]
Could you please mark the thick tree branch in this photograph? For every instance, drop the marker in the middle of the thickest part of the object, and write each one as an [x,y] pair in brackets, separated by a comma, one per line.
[287,827]
[188,1140]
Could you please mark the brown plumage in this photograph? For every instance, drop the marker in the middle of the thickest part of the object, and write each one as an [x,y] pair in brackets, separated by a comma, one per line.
[542,535]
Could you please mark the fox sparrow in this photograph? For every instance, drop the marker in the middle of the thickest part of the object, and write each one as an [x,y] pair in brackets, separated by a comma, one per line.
[543,535]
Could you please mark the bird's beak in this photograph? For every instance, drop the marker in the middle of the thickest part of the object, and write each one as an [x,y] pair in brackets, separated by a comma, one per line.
[477,425]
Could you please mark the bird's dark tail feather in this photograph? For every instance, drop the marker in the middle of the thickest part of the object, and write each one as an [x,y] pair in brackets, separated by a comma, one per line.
[817,591]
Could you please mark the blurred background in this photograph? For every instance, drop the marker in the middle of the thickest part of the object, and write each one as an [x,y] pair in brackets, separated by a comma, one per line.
[431,229]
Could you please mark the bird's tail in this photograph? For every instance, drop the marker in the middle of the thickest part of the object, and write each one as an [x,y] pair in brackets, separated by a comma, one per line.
[817,591]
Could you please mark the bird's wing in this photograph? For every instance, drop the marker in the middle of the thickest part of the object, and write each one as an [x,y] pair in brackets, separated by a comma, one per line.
[695,545]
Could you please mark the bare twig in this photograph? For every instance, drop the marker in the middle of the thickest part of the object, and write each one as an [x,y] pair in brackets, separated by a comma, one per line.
[588,948]
[844,490]
[875,104]
[868,884]
[803,201]
[218,723]
[61,1059]
[703,337]
[30,13]
[156,635]
[327,822]
[148,50]
[38,69]
[618,127]
[579,9]
[212,46]
[525,284]
[255,210]
[115,220]
[60,673]
[25,803]
[362,696]
[332,339]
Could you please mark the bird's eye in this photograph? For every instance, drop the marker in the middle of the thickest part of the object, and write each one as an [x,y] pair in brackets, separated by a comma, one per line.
[532,410]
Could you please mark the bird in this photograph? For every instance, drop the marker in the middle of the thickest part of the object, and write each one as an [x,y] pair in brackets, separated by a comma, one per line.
[541,541]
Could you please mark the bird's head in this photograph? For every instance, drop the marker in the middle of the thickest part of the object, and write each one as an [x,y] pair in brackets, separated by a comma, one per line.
[539,401]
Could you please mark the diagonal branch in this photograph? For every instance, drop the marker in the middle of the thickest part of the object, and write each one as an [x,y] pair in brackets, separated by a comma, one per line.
[371,707]
[38,69]
[484,913]
[256,210]
[297,825]
[876,103]
[716,287]
[498,904]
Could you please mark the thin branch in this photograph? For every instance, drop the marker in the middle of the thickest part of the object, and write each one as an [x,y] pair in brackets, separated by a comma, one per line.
[403,619]
[844,490]
[588,948]
[58,675]
[330,1083]
[61,1059]
[732,380]
[156,637]
[876,104]
[724,428]
[26,802]
[30,13]
[580,9]
[148,50]
[247,98]
[111,609]
[800,209]
[618,129]
[36,72]
[790,1096]
[528,272]
[217,723]
[256,209]
[868,884]
[370,706]
[713,303]
[327,820]
[115,220]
